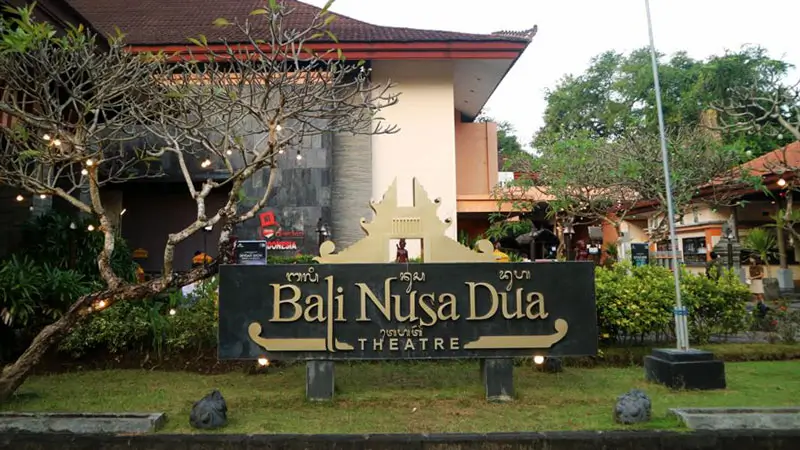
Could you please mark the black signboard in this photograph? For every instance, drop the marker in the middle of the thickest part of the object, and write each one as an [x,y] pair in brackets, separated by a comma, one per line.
[640,254]
[388,311]
[251,253]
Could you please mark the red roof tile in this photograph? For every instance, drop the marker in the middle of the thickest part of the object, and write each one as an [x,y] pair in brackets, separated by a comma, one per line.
[164,22]
[784,159]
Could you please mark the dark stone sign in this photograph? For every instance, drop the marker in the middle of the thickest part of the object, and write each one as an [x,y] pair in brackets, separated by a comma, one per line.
[411,311]
[640,254]
[251,253]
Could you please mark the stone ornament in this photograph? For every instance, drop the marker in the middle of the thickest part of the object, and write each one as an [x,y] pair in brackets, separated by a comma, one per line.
[632,407]
[210,412]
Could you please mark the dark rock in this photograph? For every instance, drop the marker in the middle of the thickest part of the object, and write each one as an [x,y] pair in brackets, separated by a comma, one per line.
[553,365]
[633,407]
[210,412]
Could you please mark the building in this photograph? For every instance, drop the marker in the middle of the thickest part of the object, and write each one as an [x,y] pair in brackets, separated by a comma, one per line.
[445,79]
[701,229]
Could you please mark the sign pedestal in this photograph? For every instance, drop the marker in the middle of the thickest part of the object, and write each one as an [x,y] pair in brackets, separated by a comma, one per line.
[685,369]
[319,381]
[498,379]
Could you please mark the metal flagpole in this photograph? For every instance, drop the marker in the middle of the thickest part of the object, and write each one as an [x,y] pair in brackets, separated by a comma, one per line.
[681,328]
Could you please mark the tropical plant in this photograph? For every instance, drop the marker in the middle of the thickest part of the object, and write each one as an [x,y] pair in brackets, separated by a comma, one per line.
[762,242]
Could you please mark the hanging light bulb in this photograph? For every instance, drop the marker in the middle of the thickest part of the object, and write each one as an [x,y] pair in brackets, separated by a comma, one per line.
[20,198]
[781,182]
[299,156]
[42,196]
[84,172]
[46,137]
[205,163]
[172,312]
[90,227]
[278,127]
[89,162]
[280,151]
[228,152]
[57,142]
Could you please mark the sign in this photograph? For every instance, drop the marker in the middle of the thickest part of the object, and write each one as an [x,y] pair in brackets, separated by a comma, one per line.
[277,238]
[251,253]
[640,254]
[410,311]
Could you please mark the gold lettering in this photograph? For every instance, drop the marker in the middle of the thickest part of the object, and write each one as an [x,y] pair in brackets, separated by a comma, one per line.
[412,309]
[438,343]
[423,343]
[279,300]
[362,342]
[427,309]
[409,345]
[385,307]
[448,303]
[377,345]
[535,309]
[518,314]
[340,304]
[393,344]
[316,309]
[473,301]
[454,344]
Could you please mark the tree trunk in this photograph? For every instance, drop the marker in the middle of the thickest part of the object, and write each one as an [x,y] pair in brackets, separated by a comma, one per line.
[15,374]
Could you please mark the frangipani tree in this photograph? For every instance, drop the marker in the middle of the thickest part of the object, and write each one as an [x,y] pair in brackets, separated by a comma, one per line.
[85,116]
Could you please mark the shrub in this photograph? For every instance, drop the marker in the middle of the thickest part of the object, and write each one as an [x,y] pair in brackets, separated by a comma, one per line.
[784,322]
[50,239]
[295,259]
[170,324]
[31,293]
[634,303]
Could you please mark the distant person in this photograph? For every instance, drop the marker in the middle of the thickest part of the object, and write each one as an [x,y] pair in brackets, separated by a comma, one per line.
[713,267]
[755,276]
[200,259]
[581,251]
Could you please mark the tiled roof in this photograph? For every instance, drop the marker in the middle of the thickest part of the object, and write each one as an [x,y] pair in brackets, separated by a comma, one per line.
[785,159]
[164,22]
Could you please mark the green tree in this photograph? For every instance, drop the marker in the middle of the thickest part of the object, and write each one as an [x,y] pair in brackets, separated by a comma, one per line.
[616,94]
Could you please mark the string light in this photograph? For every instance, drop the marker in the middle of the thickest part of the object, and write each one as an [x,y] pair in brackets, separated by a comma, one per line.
[278,127]
[228,152]
[538,359]
[280,151]
[101,304]
[172,312]
[299,156]
[781,182]
[90,162]
[84,172]
[42,196]
[263,362]
[90,227]
[205,163]
[57,142]
[46,137]
[20,198]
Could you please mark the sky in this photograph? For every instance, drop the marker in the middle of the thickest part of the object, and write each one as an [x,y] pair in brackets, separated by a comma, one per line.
[571,32]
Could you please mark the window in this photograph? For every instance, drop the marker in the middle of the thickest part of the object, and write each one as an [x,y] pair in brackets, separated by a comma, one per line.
[694,250]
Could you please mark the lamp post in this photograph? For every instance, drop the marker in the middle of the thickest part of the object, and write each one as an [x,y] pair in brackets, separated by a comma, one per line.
[729,244]
[680,367]
[568,232]
[322,232]
[681,328]
[206,230]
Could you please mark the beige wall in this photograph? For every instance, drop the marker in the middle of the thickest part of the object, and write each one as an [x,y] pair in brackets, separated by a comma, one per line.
[476,157]
[425,146]
[636,230]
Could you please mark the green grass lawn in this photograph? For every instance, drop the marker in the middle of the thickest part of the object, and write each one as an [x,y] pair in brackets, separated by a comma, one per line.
[400,397]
